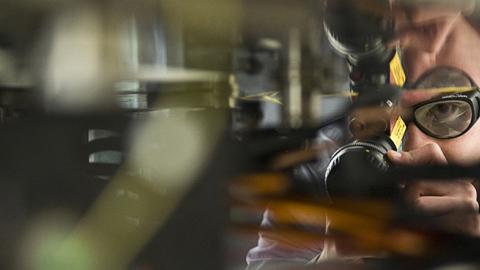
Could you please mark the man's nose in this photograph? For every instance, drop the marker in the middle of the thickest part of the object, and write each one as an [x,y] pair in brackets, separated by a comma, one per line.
[416,138]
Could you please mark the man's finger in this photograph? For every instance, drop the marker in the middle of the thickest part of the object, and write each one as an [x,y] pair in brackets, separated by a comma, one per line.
[430,154]
[460,188]
[443,205]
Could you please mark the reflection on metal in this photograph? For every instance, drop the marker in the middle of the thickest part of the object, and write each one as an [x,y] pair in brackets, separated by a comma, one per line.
[132,101]
[235,90]
[103,154]
[267,96]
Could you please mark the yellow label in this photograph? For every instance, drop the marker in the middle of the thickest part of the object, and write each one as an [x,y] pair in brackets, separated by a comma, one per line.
[397,74]
[398,131]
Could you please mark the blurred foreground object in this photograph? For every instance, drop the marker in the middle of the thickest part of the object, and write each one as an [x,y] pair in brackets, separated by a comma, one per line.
[161,70]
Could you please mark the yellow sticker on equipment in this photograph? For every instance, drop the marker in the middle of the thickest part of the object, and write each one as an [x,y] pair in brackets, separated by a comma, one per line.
[397,74]
[398,132]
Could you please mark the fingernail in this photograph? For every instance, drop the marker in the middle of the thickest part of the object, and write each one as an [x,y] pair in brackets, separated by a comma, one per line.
[394,154]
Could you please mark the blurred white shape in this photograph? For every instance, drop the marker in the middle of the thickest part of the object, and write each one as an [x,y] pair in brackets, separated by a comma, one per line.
[76,68]
[172,75]
[173,147]
[270,43]
[294,90]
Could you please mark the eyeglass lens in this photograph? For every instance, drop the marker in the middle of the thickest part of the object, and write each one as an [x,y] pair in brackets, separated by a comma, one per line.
[444,119]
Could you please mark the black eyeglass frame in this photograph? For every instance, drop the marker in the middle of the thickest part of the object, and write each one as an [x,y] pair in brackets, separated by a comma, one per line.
[471,97]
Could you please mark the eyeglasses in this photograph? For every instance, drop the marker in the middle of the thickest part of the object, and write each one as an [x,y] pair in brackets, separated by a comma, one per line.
[449,116]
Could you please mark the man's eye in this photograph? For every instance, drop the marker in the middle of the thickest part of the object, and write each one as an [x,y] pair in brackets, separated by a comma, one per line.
[444,118]
[447,110]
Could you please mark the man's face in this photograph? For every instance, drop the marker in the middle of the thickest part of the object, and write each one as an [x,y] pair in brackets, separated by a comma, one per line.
[437,37]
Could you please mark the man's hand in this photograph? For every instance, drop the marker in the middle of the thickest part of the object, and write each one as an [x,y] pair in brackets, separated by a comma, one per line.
[452,203]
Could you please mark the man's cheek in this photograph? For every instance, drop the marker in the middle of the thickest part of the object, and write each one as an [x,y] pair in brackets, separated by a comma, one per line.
[463,150]
[415,138]
[462,154]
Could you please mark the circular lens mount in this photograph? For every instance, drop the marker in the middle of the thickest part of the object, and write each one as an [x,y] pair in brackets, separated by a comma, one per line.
[355,169]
